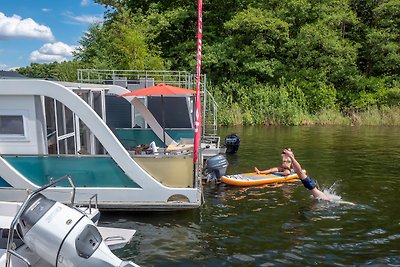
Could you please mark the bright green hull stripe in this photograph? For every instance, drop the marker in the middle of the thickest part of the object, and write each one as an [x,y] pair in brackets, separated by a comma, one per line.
[85,171]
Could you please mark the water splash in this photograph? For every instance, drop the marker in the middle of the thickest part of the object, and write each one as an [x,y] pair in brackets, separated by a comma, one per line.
[333,196]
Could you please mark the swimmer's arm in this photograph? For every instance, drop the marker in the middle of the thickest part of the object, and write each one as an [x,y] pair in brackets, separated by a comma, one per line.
[296,165]
[297,168]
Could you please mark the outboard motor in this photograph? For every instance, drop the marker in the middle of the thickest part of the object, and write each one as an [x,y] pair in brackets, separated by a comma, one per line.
[216,167]
[232,142]
[64,236]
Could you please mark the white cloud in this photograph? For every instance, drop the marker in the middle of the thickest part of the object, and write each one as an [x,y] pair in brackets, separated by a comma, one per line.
[16,27]
[58,48]
[85,2]
[51,52]
[13,68]
[84,18]
[87,19]
[7,68]
[36,56]
[46,9]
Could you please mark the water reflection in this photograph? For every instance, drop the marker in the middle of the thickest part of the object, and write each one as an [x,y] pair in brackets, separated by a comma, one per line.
[282,225]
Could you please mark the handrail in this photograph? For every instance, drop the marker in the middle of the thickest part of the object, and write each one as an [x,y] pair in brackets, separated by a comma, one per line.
[90,203]
[73,190]
[19,257]
[10,239]
[177,78]
[88,209]
[72,185]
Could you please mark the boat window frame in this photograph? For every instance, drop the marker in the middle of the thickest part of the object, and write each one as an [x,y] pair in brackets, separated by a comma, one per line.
[23,114]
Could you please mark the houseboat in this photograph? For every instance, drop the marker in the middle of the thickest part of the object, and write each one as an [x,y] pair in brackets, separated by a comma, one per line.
[50,129]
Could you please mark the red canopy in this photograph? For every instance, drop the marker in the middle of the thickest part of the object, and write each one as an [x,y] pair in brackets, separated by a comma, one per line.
[160,89]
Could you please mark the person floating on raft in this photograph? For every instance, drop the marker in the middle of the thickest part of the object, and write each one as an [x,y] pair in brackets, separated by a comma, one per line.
[308,183]
[284,169]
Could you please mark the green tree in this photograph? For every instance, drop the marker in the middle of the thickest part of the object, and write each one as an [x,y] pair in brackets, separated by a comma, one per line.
[383,40]
[119,44]
[67,70]
[38,70]
[61,71]
[253,50]
[323,55]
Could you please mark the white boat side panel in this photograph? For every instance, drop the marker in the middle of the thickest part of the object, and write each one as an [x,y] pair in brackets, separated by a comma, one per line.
[41,131]
[29,144]
[107,197]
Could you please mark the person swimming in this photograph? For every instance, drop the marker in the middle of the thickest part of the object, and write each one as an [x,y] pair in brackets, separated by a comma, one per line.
[307,181]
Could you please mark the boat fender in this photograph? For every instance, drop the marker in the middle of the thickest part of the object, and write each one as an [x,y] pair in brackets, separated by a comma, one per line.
[154,148]
[309,183]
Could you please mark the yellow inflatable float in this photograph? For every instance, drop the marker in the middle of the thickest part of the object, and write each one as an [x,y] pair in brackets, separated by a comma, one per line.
[254,179]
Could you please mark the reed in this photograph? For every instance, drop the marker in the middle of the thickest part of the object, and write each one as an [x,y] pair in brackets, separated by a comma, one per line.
[230,116]
[330,117]
[374,116]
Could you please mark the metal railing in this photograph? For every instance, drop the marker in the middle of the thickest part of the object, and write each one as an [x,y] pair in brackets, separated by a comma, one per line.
[210,109]
[144,78]
[177,78]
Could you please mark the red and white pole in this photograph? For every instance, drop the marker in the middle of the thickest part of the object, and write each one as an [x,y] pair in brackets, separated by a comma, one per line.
[197,123]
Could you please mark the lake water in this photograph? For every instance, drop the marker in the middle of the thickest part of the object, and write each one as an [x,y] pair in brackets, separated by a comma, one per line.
[283,225]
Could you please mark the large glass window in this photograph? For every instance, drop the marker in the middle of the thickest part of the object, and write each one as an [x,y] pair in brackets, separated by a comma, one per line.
[66,133]
[12,125]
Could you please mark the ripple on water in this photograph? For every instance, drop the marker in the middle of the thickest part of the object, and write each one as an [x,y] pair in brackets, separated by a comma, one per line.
[376,232]
[239,258]
[288,226]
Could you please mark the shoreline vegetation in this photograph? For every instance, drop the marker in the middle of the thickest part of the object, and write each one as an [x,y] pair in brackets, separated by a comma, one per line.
[374,116]
[289,106]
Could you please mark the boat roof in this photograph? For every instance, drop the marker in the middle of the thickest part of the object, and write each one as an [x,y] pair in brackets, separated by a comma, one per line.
[11,75]
[75,86]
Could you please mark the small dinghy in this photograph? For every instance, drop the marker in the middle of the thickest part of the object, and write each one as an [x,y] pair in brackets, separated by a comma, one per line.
[41,232]
[254,179]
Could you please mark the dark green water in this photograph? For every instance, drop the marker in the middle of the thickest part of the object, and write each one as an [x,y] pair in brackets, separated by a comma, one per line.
[283,226]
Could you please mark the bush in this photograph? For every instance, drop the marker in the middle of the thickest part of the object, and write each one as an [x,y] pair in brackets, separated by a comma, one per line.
[259,104]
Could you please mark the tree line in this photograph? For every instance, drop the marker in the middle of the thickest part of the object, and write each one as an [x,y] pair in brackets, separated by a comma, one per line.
[268,61]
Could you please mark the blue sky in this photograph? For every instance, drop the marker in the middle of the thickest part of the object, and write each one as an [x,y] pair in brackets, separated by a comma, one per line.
[43,31]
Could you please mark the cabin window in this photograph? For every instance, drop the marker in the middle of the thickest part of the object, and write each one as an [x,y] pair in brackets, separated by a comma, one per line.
[12,125]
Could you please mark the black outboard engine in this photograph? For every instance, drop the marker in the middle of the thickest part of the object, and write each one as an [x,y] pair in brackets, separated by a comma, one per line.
[232,142]
[216,167]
